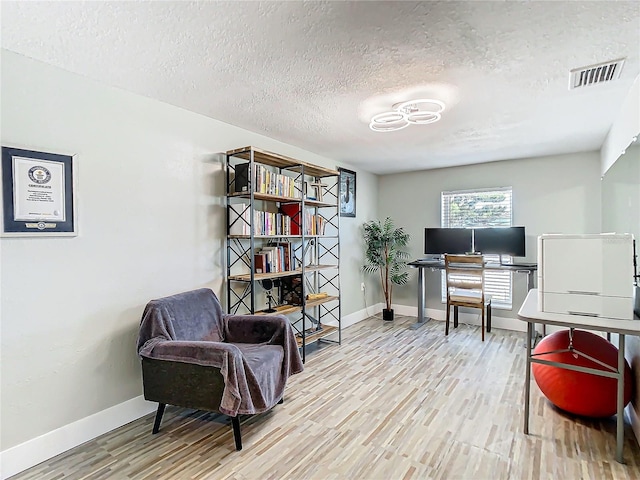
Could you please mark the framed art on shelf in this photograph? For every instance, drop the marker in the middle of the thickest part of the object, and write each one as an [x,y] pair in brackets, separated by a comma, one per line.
[347,192]
[37,193]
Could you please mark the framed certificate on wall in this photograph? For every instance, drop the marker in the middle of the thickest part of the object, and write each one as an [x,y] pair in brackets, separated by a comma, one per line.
[37,193]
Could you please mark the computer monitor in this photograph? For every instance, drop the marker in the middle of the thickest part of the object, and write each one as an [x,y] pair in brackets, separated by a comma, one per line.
[500,240]
[438,241]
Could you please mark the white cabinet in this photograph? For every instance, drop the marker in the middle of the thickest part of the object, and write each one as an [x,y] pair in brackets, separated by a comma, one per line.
[586,274]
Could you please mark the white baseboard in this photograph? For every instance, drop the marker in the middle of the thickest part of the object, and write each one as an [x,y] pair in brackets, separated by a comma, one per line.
[37,450]
[355,317]
[505,323]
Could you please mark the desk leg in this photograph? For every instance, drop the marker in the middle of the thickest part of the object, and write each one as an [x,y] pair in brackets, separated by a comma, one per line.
[421,301]
[527,385]
[529,280]
[534,337]
[620,409]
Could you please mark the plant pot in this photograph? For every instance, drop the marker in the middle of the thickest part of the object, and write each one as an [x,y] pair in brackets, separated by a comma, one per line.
[387,314]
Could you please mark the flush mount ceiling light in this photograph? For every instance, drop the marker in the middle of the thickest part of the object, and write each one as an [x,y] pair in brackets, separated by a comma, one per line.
[389,122]
[417,112]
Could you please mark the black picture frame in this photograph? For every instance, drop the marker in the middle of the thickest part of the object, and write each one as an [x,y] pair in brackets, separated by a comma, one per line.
[347,194]
[26,192]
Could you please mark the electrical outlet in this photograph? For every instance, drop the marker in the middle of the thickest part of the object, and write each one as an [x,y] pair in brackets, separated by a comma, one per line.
[362,287]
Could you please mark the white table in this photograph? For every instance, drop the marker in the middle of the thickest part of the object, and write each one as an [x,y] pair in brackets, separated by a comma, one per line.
[529,313]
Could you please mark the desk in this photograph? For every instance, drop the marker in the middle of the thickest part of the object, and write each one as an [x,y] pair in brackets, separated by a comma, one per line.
[421,265]
[529,313]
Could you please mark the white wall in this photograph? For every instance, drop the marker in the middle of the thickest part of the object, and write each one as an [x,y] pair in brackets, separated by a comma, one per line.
[625,128]
[151,223]
[556,194]
[621,194]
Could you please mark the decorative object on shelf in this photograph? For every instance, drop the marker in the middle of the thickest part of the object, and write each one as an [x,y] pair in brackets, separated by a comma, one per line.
[292,290]
[422,111]
[575,392]
[317,296]
[268,285]
[385,254]
[347,192]
[318,191]
[38,193]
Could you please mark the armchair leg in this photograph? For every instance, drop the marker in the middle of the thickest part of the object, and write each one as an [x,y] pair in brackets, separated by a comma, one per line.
[455,316]
[235,421]
[489,318]
[159,413]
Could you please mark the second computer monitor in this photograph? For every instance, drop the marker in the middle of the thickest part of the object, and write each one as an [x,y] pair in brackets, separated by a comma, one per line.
[438,241]
[500,240]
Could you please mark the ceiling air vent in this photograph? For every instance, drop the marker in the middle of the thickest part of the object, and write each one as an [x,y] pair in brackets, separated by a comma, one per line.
[603,72]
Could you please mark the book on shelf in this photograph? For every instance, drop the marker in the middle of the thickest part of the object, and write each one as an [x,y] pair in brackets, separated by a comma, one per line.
[260,260]
[287,256]
[272,263]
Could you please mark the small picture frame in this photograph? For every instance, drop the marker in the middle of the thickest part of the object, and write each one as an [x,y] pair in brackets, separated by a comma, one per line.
[37,194]
[347,192]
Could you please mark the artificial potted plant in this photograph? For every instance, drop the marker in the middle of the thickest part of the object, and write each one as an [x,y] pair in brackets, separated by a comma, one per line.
[385,254]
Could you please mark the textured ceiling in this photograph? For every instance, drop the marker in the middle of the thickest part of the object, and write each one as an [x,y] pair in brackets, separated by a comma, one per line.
[311,74]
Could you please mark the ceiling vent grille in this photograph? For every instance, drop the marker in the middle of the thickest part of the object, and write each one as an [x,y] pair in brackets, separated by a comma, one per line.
[594,74]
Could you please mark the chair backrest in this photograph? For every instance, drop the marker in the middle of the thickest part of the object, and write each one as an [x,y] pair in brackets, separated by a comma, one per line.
[193,316]
[465,272]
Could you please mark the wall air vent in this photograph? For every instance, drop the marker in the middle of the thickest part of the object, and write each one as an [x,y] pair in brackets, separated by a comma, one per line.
[601,73]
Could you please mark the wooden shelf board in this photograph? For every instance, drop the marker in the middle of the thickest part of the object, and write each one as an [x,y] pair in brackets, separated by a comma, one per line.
[281,236]
[316,203]
[313,268]
[320,301]
[266,236]
[246,277]
[282,161]
[266,196]
[281,199]
[312,337]
[314,170]
[282,310]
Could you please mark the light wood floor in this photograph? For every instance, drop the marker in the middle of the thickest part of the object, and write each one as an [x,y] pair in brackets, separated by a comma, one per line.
[390,403]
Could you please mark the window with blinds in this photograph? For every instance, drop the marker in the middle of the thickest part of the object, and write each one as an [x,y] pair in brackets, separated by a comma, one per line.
[491,207]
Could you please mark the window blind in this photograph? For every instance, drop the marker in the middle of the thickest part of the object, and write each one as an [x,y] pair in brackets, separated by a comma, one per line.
[491,207]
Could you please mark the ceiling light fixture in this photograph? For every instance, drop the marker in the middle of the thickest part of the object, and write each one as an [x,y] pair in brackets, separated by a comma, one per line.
[417,112]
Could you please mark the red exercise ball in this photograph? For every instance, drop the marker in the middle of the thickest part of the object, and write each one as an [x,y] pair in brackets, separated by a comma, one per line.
[580,393]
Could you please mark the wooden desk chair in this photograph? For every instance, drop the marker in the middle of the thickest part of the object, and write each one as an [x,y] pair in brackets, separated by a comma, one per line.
[465,287]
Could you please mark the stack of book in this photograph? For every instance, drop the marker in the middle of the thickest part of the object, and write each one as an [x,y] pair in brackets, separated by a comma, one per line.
[264,223]
[275,258]
[266,181]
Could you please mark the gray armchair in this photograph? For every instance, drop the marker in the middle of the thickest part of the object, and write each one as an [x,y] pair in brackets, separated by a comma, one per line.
[195,356]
